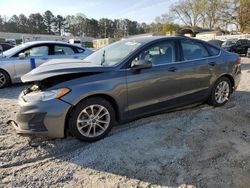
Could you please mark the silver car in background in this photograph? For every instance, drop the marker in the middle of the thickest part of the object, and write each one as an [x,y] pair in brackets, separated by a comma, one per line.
[21,59]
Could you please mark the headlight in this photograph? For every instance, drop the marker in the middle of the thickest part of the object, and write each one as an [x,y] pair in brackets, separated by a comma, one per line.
[46,95]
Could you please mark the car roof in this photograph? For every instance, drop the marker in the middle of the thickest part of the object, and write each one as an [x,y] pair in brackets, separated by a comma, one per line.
[49,42]
[147,39]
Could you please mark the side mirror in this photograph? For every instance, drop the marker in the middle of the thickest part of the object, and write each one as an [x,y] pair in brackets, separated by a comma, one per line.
[141,64]
[1,49]
[21,55]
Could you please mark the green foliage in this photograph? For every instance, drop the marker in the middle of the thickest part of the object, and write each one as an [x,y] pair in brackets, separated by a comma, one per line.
[77,25]
[170,28]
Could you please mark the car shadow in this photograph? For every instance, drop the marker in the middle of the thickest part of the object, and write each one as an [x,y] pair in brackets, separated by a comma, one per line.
[145,156]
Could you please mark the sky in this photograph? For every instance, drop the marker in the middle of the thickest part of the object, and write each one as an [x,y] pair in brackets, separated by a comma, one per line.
[138,10]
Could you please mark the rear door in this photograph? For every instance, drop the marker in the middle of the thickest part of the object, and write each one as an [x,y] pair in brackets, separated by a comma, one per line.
[196,70]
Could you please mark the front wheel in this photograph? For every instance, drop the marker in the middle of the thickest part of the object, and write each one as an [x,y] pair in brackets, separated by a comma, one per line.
[4,79]
[92,119]
[221,92]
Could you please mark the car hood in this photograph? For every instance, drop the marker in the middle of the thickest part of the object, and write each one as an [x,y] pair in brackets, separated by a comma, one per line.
[1,56]
[63,67]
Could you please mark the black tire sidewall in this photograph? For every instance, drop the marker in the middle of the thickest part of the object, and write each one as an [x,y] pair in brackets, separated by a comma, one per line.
[75,113]
[212,100]
[7,79]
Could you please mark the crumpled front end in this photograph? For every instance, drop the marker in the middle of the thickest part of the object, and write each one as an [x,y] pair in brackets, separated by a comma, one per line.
[46,117]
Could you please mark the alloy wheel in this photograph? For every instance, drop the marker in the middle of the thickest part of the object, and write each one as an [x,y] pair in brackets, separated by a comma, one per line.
[93,120]
[222,92]
[2,79]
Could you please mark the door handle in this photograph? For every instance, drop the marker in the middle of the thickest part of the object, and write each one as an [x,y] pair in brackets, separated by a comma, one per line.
[212,64]
[172,69]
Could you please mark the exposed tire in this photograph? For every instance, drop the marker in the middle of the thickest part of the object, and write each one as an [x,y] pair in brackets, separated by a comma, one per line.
[221,92]
[92,119]
[4,79]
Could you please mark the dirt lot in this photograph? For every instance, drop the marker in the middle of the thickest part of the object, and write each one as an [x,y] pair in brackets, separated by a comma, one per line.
[198,147]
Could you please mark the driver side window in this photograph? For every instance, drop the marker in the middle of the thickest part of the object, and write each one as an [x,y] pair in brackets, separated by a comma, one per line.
[37,51]
[161,53]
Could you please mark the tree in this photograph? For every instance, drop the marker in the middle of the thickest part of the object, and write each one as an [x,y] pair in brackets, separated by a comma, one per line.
[212,13]
[36,24]
[106,28]
[189,11]
[13,24]
[91,27]
[49,20]
[59,24]
[23,23]
[170,28]
[241,17]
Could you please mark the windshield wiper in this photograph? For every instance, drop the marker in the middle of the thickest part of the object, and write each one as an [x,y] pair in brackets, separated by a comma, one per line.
[103,58]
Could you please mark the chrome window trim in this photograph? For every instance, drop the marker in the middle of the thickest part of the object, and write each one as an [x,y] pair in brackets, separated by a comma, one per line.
[181,61]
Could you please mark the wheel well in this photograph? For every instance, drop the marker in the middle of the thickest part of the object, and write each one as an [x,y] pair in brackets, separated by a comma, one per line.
[6,74]
[109,99]
[104,96]
[231,79]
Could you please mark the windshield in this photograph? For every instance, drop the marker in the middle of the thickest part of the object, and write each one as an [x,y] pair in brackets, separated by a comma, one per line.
[114,53]
[14,50]
[229,43]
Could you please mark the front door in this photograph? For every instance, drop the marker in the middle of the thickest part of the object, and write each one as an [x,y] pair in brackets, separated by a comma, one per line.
[154,88]
[23,65]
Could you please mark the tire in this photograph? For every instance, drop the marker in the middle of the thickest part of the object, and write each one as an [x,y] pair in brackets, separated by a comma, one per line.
[4,79]
[215,93]
[88,127]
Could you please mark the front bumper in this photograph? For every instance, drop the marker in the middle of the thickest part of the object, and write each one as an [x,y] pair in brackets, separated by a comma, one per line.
[47,118]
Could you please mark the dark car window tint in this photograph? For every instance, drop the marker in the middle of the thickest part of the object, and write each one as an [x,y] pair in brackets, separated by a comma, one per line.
[161,53]
[37,51]
[239,42]
[244,42]
[63,50]
[193,50]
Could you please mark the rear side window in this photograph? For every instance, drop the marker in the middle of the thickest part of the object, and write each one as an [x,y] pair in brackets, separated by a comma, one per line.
[244,41]
[79,50]
[63,50]
[193,50]
[214,51]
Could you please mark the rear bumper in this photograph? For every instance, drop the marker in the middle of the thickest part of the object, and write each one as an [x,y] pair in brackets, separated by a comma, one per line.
[42,118]
[237,76]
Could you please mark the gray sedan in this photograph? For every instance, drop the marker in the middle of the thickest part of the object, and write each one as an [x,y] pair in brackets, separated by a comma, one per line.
[20,60]
[123,81]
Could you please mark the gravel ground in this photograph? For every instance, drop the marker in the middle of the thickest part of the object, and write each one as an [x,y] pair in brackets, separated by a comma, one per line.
[196,147]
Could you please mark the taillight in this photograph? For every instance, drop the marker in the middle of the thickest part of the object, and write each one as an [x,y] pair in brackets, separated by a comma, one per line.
[238,61]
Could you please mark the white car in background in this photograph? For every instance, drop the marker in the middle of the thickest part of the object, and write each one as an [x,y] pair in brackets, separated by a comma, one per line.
[21,59]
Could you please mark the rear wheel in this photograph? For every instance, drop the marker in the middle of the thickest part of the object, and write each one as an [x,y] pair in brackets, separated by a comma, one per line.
[221,92]
[4,79]
[92,119]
